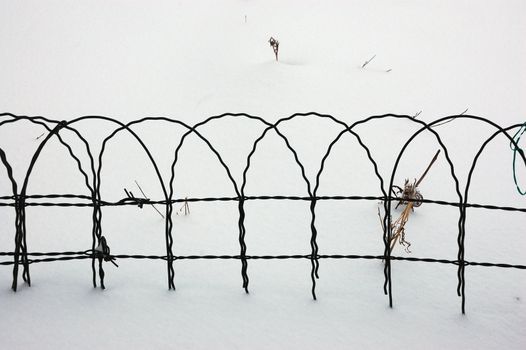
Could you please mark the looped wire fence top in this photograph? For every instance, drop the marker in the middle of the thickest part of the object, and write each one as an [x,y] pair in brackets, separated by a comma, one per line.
[100,251]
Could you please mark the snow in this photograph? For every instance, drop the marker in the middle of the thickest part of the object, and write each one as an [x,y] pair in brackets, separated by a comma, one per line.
[193,59]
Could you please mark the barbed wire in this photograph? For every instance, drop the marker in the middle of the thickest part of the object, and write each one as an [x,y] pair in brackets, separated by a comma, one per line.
[91,174]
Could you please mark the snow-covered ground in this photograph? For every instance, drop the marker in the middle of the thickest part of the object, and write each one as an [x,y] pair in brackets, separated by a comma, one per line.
[193,59]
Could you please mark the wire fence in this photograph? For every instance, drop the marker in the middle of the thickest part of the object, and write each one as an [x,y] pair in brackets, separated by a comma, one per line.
[99,253]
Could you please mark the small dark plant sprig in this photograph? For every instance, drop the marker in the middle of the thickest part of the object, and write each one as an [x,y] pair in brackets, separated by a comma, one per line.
[275,46]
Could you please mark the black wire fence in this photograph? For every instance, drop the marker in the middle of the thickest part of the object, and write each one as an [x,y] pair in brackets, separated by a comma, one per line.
[99,253]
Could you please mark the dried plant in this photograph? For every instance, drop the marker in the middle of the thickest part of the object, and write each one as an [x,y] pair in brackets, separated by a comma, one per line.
[409,194]
[185,208]
[153,205]
[411,197]
[368,61]
[275,46]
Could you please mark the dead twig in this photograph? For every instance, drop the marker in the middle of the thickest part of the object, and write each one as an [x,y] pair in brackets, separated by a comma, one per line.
[381,220]
[411,198]
[153,206]
[398,228]
[427,169]
[185,208]
[368,61]
[450,120]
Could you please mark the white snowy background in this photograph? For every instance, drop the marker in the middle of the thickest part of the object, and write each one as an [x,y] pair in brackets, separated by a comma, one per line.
[193,59]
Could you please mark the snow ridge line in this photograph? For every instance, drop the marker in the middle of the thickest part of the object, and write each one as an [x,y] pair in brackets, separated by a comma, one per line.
[100,250]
